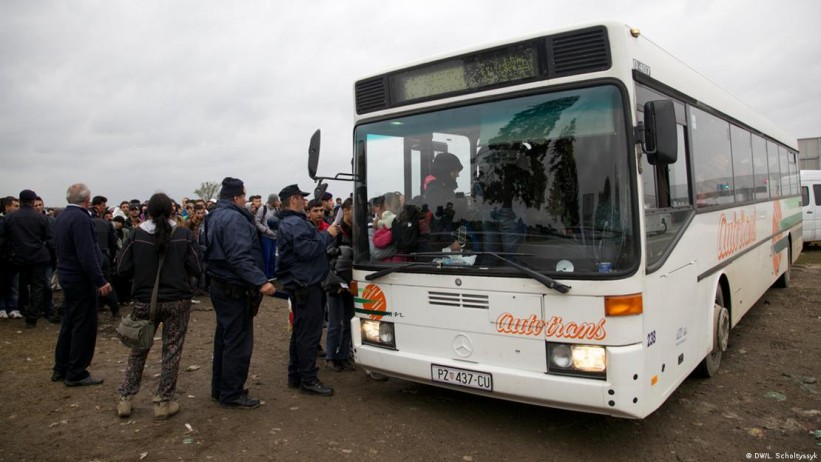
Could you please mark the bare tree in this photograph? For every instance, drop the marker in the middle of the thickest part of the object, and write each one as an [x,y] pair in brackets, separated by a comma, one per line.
[207,190]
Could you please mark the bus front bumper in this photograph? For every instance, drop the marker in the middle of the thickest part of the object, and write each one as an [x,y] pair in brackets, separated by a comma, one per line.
[532,387]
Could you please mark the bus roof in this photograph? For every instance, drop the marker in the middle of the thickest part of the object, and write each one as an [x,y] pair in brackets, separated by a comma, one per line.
[626,50]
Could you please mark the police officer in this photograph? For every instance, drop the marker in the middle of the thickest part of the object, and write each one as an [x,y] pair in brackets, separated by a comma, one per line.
[235,266]
[302,267]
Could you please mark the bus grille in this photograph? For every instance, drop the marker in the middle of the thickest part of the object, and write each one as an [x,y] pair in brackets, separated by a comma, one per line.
[371,95]
[459,300]
[578,52]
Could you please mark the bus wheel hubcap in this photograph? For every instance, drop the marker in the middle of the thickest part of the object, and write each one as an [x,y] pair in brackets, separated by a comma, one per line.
[723,328]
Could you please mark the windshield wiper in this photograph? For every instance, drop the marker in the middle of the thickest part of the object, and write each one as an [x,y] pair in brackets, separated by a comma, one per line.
[393,269]
[548,282]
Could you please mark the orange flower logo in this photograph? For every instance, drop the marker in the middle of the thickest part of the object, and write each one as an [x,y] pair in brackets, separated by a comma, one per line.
[373,302]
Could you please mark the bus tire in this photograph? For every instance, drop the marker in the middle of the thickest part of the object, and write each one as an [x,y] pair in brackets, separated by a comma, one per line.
[783,281]
[721,337]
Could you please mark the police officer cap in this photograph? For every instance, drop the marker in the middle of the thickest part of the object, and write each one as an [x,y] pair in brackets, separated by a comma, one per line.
[27,195]
[289,191]
[232,187]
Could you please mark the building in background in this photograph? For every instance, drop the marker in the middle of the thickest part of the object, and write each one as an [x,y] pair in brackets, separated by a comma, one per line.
[810,153]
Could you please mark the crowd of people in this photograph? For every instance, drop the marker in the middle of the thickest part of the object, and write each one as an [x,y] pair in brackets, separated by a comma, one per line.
[157,256]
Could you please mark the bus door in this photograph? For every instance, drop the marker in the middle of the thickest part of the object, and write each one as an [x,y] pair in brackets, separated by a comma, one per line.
[671,337]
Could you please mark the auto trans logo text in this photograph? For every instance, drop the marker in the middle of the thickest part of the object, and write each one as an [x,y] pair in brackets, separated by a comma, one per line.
[735,233]
[556,327]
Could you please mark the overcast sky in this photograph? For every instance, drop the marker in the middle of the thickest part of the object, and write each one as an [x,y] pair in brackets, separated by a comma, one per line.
[135,97]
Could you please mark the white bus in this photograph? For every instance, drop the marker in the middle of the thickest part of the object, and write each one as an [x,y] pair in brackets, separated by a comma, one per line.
[585,218]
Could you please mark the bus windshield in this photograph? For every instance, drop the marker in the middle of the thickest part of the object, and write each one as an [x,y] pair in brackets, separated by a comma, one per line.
[543,180]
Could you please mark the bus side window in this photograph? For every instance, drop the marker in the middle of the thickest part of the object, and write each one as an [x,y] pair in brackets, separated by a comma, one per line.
[670,205]
[663,182]
[679,181]
[712,160]
[666,185]
[648,179]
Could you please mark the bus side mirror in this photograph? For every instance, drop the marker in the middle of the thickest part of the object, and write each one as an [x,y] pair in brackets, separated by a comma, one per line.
[660,135]
[313,154]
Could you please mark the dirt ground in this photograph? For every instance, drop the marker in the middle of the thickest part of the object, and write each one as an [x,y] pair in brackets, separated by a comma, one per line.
[764,402]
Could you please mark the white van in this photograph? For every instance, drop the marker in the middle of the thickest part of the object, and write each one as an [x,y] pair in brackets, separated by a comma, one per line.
[811,201]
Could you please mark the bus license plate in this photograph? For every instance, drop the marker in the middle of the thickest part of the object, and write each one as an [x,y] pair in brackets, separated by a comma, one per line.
[461,377]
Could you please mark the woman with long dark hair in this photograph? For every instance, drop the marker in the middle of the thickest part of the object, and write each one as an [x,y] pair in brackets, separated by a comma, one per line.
[140,257]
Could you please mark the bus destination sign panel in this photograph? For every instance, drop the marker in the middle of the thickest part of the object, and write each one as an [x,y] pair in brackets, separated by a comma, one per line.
[472,72]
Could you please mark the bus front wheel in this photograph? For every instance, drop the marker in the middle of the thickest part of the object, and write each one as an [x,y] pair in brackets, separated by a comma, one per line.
[721,337]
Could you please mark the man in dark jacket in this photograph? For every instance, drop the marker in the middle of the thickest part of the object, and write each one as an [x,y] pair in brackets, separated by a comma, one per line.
[107,241]
[439,192]
[8,276]
[234,263]
[49,311]
[327,200]
[302,267]
[81,276]
[31,246]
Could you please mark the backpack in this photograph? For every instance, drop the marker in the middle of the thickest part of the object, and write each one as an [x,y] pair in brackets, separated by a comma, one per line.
[405,229]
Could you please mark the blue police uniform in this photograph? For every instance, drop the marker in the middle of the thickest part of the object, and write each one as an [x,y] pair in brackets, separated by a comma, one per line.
[302,267]
[235,267]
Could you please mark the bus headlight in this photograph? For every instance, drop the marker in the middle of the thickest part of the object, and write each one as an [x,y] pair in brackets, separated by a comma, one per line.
[578,360]
[562,356]
[378,333]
